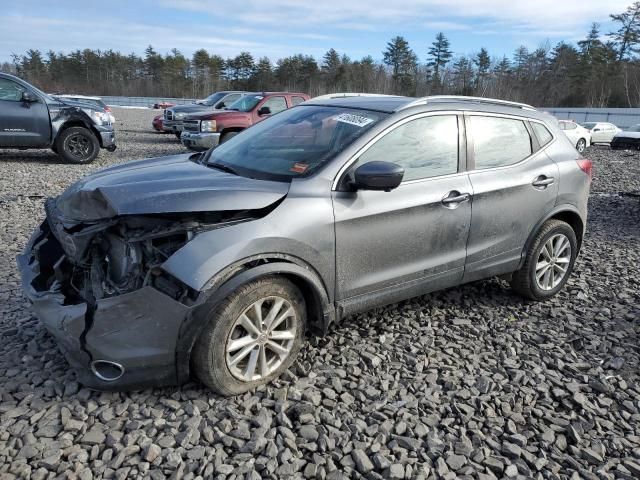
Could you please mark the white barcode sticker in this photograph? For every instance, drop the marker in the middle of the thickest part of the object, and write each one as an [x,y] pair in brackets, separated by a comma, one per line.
[351,119]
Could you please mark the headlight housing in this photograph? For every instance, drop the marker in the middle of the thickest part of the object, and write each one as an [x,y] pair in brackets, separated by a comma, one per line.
[178,116]
[208,126]
[100,118]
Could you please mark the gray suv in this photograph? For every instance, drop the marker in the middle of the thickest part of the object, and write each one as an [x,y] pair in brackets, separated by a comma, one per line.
[216,264]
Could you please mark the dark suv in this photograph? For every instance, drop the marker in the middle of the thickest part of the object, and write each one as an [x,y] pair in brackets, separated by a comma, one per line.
[216,264]
[30,118]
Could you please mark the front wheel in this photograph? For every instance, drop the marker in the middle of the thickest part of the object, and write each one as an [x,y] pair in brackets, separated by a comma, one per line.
[228,136]
[581,145]
[77,145]
[548,263]
[251,337]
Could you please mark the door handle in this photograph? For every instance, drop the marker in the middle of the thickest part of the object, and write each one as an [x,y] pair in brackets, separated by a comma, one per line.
[453,199]
[542,182]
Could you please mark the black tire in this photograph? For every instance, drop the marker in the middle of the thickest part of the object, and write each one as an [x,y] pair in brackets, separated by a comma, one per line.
[77,145]
[177,134]
[209,353]
[581,145]
[524,281]
[227,136]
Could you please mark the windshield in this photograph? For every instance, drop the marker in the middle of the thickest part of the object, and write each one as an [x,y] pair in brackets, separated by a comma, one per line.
[213,99]
[293,143]
[245,104]
[588,125]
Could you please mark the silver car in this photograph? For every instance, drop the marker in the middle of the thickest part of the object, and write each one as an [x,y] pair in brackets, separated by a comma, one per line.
[215,265]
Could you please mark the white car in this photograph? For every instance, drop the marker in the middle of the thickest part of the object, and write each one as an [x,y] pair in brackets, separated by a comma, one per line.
[601,132]
[93,101]
[579,136]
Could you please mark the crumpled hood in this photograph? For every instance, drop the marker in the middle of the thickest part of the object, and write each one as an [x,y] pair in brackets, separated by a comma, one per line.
[627,135]
[164,185]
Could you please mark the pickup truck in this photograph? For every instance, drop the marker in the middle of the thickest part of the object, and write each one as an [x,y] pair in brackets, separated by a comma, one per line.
[173,116]
[30,118]
[202,132]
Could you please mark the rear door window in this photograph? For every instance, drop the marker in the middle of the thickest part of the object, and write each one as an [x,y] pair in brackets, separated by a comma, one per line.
[275,104]
[498,141]
[296,100]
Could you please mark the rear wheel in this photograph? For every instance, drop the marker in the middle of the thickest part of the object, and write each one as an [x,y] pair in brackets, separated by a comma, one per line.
[549,262]
[77,145]
[581,145]
[251,337]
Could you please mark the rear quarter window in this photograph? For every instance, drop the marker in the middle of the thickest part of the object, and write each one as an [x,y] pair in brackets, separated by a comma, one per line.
[543,134]
[498,141]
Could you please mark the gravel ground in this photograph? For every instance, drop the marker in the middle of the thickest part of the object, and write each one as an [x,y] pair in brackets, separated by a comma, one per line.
[471,382]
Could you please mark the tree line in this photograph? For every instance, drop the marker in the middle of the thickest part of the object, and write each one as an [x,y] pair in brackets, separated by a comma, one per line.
[601,70]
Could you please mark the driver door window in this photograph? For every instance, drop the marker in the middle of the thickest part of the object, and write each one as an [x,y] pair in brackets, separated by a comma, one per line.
[425,147]
[10,91]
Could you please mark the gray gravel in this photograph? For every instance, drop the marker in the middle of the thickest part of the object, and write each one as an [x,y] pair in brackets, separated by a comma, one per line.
[471,382]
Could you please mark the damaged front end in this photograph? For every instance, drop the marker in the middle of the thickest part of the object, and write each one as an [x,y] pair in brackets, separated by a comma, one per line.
[99,288]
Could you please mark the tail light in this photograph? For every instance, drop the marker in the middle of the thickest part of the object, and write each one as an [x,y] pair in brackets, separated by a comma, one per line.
[586,166]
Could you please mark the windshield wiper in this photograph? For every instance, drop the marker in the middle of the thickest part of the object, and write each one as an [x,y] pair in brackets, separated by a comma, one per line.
[224,168]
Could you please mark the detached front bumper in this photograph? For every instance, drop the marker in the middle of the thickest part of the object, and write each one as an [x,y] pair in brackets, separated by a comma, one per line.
[625,143]
[200,142]
[107,137]
[121,342]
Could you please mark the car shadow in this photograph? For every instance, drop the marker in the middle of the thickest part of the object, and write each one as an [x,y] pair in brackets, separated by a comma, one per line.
[32,156]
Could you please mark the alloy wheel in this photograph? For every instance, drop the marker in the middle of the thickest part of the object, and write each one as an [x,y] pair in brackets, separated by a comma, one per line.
[79,146]
[553,262]
[261,338]
[581,146]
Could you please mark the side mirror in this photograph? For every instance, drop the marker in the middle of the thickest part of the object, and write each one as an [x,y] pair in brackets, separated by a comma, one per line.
[220,106]
[378,176]
[596,129]
[29,97]
[264,111]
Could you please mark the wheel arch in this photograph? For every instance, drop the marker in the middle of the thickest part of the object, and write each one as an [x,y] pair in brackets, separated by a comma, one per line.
[77,122]
[230,130]
[320,310]
[565,213]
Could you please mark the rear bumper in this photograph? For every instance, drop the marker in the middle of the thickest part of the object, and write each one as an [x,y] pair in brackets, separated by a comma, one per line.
[200,141]
[138,330]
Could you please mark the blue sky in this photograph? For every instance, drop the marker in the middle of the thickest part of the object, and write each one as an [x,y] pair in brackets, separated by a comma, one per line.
[278,28]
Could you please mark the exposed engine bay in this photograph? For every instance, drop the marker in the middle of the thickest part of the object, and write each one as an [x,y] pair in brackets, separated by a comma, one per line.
[90,261]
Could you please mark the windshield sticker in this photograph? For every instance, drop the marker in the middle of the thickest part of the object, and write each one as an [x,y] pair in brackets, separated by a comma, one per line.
[259,97]
[351,119]
[299,167]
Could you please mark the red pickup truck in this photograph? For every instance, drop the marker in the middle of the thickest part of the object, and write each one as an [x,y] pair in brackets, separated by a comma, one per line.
[202,132]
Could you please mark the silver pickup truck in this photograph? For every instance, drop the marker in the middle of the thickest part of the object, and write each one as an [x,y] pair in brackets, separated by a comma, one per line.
[173,117]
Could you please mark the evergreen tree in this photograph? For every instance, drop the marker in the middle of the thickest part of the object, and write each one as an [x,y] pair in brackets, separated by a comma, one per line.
[403,62]
[439,56]
[628,35]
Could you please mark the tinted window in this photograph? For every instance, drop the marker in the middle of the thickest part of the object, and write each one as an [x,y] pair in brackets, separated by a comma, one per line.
[229,99]
[10,91]
[296,100]
[544,136]
[425,147]
[570,126]
[275,104]
[499,141]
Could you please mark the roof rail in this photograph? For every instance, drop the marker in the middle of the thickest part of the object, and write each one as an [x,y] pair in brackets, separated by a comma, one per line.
[350,94]
[461,98]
